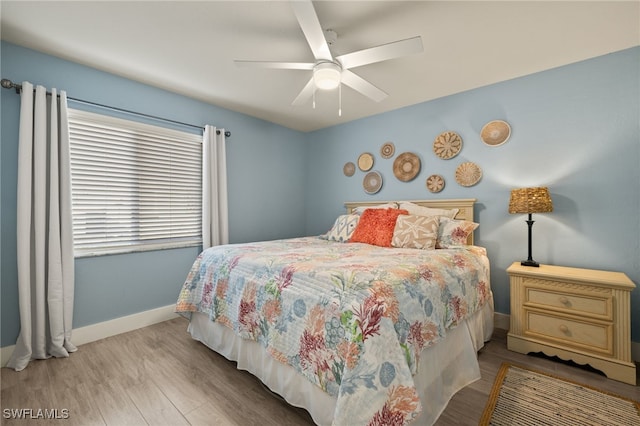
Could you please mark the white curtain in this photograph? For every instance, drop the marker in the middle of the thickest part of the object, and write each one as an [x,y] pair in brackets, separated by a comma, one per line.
[215,219]
[44,229]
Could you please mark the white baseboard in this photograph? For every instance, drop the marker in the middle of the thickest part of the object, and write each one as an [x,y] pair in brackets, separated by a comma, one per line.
[502,321]
[93,332]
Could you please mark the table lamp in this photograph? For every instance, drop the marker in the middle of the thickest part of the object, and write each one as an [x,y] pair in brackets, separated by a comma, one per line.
[530,200]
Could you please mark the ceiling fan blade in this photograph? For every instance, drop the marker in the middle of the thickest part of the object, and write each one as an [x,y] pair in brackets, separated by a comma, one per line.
[305,93]
[308,20]
[385,52]
[276,65]
[363,86]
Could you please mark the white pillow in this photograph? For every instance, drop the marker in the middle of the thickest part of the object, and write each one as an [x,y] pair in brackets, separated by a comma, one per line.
[359,210]
[413,208]
[342,228]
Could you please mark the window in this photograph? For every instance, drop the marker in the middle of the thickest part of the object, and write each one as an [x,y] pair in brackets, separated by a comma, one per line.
[134,186]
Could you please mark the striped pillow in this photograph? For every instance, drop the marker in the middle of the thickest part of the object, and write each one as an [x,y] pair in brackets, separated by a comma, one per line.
[342,228]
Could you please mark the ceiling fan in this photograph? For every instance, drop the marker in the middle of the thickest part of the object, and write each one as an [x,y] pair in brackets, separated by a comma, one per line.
[330,72]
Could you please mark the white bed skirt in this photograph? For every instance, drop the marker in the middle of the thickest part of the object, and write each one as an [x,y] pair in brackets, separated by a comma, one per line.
[444,368]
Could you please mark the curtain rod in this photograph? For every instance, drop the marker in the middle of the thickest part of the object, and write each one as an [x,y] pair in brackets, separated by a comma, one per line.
[8,84]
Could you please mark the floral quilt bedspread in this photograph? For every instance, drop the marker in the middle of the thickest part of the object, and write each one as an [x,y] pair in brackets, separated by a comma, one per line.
[352,318]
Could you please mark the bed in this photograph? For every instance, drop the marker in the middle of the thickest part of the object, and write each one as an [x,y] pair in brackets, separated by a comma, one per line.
[354,332]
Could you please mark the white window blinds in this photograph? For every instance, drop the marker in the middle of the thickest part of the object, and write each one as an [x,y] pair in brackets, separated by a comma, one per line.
[134,186]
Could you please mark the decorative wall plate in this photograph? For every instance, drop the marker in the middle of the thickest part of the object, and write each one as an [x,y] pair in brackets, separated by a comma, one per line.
[435,183]
[406,166]
[372,182]
[468,174]
[349,169]
[387,150]
[365,161]
[447,145]
[495,132]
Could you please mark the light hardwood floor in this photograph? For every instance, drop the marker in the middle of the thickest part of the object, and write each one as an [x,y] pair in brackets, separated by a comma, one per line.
[158,375]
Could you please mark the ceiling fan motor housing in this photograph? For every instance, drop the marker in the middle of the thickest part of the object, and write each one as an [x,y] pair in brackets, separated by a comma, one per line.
[330,36]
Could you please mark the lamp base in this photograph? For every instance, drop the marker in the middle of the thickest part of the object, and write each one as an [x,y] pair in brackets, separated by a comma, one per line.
[530,262]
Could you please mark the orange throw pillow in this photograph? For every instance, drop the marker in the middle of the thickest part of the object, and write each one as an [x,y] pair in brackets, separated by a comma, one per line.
[376,227]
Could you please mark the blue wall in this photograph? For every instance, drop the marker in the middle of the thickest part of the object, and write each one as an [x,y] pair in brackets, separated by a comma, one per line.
[266,170]
[575,129]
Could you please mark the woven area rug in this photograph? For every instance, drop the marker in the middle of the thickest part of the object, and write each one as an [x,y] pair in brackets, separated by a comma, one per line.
[524,397]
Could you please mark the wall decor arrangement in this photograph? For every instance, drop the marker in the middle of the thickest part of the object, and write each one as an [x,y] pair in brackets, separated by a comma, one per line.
[468,174]
[406,166]
[435,183]
[372,182]
[495,133]
[387,150]
[447,145]
[349,169]
[365,161]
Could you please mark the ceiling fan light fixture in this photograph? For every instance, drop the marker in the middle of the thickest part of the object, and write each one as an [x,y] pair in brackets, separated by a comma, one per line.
[327,75]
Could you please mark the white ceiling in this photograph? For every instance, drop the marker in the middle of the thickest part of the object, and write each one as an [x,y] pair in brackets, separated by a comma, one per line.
[190,47]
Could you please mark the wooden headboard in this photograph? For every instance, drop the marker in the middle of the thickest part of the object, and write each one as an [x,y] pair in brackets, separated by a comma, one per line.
[464,206]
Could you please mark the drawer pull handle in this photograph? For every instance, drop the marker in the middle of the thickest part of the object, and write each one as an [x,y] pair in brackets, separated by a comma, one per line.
[564,300]
[564,328]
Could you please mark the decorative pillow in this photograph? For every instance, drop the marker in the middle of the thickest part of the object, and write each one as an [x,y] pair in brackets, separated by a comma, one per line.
[413,208]
[453,233]
[361,209]
[414,231]
[342,228]
[376,227]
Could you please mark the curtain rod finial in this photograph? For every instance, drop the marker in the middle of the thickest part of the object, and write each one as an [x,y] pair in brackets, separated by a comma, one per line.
[8,84]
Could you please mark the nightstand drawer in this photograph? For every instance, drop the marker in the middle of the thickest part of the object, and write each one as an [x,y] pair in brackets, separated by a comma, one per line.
[595,337]
[582,301]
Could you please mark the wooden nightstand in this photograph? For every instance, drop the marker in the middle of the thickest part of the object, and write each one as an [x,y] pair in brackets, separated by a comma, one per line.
[576,314]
